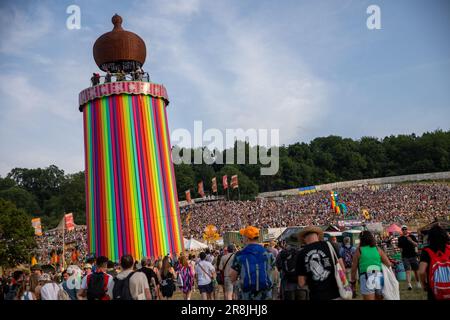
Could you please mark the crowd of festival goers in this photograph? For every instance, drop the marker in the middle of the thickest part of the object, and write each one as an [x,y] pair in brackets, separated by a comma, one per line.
[401,204]
[303,268]
[254,272]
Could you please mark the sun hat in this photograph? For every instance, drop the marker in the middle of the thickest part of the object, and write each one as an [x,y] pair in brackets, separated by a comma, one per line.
[250,232]
[308,230]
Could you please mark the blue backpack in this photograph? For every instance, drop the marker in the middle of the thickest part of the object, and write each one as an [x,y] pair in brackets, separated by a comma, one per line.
[254,261]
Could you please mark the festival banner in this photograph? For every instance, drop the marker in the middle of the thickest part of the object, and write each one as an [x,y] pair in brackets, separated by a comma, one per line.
[214,185]
[200,189]
[234,182]
[225,182]
[69,224]
[36,223]
[188,196]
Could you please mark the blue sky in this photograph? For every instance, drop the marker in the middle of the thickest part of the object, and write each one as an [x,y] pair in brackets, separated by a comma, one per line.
[308,68]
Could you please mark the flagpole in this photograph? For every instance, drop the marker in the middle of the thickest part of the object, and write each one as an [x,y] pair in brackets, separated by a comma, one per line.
[63,249]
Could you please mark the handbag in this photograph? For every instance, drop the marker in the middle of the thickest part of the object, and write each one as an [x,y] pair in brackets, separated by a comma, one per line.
[391,289]
[345,289]
[213,280]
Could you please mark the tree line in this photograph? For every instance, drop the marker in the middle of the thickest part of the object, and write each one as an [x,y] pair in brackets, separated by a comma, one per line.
[49,192]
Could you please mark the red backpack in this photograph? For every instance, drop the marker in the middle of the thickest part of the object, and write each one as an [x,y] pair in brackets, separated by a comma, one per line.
[439,273]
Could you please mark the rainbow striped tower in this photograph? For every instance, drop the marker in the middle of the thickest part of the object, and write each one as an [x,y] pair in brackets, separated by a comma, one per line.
[131,196]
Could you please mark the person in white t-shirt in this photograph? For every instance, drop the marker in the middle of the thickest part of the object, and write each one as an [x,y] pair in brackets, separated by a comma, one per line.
[205,273]
[49,289]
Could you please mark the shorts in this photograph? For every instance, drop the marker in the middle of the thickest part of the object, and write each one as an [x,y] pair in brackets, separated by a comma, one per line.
[228,285]
[371,283]
[410,263]
[207,288]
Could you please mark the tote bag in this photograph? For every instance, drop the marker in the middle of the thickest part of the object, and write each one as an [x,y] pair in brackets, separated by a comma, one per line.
[391,287]
[345,290]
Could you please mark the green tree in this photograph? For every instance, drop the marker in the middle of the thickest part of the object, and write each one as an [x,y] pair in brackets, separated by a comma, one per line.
[22,199]
[16,235]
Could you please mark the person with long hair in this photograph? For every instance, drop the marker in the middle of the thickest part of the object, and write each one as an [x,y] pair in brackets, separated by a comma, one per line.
[367,261]
[187,276]
[439,247]
[25,292]
[168,276]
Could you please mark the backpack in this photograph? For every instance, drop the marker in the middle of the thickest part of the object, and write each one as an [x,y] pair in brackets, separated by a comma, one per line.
[439,273]
[254,269]
[97,284]
[289,264]
[121,289]
[347,257]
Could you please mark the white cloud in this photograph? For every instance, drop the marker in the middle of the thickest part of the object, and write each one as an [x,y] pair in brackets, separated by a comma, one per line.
[250,80]
[21,31]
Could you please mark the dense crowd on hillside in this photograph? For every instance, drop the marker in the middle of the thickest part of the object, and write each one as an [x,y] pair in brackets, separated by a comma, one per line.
[388,204]
[400,203]
[50,245]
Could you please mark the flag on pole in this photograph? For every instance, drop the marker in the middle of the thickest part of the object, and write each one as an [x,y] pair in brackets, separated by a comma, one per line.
[200,189]
[68,219]
[36,223]
[214,185]
[225,182]
[234,182]
[188,196]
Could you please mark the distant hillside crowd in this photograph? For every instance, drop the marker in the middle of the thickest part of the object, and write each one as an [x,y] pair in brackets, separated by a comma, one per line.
[49,192]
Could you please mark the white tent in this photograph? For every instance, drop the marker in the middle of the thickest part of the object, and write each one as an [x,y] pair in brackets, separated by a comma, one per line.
[192,244]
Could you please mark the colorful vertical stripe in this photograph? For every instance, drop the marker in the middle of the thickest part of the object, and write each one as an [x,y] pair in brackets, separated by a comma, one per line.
[131,199]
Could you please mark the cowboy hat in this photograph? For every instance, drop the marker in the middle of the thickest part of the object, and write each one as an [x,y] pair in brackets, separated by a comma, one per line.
[308,230]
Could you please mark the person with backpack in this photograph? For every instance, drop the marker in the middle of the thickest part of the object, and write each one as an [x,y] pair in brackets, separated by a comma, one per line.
[130,285]
[225,268]
[205,274]
[434,266]
[367,261]
[315,268]
[347,251]
[97,285]
[286,263]
[253,265]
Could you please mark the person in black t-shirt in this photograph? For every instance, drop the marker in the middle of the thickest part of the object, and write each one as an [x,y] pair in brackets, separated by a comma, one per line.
[408,243]
[315,267]
[152,278]
[438,240]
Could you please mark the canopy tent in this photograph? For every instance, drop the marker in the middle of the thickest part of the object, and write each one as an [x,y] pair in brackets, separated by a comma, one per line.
[393,228]
[60,226]
[192,244]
